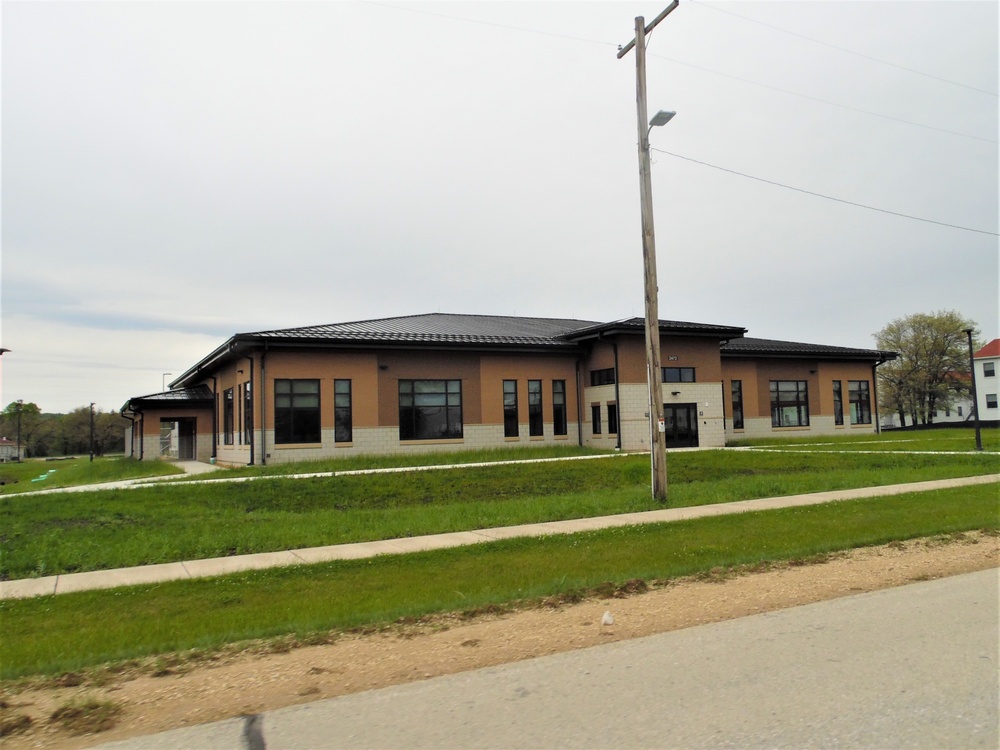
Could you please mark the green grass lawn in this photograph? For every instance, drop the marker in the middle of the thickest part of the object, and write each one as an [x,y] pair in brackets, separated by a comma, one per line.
[45,474]
[53,634]
[60,533]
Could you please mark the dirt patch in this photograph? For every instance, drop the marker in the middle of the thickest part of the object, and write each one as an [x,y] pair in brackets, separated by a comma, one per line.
[202,689]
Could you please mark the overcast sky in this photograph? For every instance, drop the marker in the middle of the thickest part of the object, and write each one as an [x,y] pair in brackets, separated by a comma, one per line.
[174,173]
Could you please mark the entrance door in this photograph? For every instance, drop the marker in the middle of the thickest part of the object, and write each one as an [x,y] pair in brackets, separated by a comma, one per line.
[681,422]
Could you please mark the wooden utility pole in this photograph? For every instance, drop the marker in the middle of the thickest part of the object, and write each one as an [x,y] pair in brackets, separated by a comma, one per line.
[657,443]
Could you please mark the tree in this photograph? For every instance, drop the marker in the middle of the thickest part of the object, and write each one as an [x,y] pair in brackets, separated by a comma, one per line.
[932,368]
[21,421]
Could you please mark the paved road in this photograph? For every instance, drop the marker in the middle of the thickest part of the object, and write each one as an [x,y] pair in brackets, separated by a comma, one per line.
[912,667]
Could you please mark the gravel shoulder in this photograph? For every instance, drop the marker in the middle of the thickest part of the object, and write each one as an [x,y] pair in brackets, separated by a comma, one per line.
[172,693]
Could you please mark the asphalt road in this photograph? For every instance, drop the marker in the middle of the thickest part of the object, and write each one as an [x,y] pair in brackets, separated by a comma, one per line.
[911,667]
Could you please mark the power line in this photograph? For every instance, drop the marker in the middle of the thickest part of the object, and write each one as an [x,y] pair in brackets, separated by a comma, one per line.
[817,99]
[821,195]
[843,49]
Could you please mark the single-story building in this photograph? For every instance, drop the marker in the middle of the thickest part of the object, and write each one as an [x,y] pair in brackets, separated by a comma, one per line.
[452,382]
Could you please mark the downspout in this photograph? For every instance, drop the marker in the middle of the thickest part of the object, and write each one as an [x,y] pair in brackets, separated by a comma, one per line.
[250,415]
[579,407]
[618,401]
[215,417]
[878,417]
[142,434]
[263,403]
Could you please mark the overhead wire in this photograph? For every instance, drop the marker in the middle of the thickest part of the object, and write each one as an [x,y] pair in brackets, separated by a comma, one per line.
[821,195]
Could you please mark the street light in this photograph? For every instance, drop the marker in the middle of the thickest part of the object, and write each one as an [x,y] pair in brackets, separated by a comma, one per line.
[660,118]
[975,400]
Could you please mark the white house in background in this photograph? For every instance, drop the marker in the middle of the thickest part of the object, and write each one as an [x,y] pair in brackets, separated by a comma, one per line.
[987,363]
[8,450]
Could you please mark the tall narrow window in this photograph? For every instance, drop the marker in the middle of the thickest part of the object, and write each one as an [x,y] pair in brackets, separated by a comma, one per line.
[559,420]
[247,414]
[737,389]
[595,419]
[343,419]
[430,409]
[535,428]
[861,403]
[613,419]
[227,417]
[510,408]
[296,411]
[789,403]
[838,403]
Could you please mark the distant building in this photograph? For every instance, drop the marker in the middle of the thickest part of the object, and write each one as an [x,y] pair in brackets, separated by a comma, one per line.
[9,450]
[987,362]
[442,382]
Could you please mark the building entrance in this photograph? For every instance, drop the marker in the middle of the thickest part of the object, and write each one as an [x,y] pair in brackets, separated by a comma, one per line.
[681,423]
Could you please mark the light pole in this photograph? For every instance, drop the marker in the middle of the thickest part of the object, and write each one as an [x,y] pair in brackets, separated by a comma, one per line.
[975,400]
[657,442]
[91,431]
[163,380]
[20,405]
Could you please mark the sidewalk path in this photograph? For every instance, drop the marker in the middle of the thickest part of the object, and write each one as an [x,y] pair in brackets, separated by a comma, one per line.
[147,574]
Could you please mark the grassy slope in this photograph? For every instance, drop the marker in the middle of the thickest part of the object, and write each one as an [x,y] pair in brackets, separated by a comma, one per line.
[54,634]
[106,529]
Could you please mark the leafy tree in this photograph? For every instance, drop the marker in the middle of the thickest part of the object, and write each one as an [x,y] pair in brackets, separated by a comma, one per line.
[932,368]
[24,420]
[63,434]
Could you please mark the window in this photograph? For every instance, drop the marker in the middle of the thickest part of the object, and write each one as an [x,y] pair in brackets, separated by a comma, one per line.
[838,403]
[789,403]
[678,374]
[737,389]
[559,407]
[296,411]
[535,408]
[602,377]
[227,417]
[991,401]
[960,411]
[861,403]
[989,370]
[613,419]
[343,417]
[430,409]
[595,419]
[510,428]
[244,412]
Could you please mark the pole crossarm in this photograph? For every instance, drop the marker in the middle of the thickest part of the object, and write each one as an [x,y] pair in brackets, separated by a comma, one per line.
[622,51]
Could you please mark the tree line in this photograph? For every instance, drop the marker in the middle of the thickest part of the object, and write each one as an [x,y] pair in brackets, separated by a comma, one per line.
[931,371]
[44,435]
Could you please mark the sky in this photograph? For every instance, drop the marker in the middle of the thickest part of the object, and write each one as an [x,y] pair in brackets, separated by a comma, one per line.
[174,173]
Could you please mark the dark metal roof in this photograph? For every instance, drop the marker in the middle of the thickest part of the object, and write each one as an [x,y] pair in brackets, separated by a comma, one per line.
[750,347]
[433,328]
[199,395]
[674,327]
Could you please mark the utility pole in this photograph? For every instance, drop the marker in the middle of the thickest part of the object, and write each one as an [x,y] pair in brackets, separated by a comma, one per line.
[91,431]
[975,400]
[657,442]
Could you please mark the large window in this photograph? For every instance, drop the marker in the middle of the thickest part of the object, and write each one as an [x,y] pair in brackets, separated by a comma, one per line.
[789,403]
[227,417]
[838,403]
[510,428]
[737,390]
[678,374]
[559,407]
[595,419]
[613,419]
[861,403]
[430,409]
[535,428]
[343,416]
[602,377]
[296,411]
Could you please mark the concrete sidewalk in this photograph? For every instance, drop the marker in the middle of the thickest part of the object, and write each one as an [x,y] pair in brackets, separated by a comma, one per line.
[147,574]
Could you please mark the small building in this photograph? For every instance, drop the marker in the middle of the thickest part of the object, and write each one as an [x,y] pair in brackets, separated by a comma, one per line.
[451,382]
[9,450]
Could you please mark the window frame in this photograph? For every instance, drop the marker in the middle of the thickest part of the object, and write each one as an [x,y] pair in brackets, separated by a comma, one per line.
[860,406]
[560,408]
[604,376]
[736,392]
[595,419]
[228,417]
[678,375]
[410,429]
[991,400]
[838,403]
[780,407]
[536,418]
[343,410]
[511,428]
[991,372]
[298,422]
[613,426]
